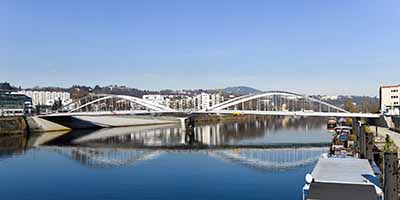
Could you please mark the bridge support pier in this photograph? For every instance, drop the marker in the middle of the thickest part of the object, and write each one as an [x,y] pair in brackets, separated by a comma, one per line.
[356,131]
[189,130]
[363,142]
[369,147]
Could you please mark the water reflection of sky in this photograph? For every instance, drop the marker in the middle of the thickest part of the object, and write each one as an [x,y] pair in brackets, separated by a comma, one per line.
[43,174]
[118,163]
[267,145]
[289,136]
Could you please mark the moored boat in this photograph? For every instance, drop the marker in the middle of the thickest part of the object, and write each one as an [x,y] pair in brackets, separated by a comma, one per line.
[331,124]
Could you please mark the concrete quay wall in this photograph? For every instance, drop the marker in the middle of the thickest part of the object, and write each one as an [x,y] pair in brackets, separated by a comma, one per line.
[12,125]
[38,124]
[396,123]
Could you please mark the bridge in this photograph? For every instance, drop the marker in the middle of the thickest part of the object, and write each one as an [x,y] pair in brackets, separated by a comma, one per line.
[118,104]
[283,104]
[268,103]
[107,111]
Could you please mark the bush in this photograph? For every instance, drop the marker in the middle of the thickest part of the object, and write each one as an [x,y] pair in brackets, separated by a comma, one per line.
[352,137]
[367,130]
[389,145]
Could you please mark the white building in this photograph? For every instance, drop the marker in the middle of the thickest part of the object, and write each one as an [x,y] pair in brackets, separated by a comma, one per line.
[204,100]
[46,97]
[156,98]
[390,99]
[329,98]
[185,102]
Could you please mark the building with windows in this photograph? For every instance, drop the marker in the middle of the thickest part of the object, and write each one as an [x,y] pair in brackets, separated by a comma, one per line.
[14,104]
[200,101]
[181,102]
[46,98]
[204,100]
[156,98]
[390,99]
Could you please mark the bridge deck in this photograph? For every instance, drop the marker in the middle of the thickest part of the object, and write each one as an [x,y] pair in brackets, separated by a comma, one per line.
[244,112]
[297,113]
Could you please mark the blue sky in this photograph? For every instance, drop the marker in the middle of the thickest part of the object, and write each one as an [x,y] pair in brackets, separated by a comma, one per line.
[309,46]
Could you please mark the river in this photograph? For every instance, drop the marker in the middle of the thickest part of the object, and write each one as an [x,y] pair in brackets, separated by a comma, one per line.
[260,159]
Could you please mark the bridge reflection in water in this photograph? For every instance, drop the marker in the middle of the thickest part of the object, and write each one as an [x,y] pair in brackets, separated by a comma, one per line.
[271,159]
[274,144]
[300,131]
[263,159]
[105,157]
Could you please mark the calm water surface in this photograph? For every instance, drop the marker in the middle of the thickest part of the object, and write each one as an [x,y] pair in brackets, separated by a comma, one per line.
[248,160]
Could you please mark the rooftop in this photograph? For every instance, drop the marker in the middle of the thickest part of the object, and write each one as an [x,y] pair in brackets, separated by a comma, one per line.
[343,170]
[390,86]
[344,178]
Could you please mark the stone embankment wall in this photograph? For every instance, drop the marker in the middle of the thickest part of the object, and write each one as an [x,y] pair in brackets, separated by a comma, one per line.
[396,123]
[12,125]
[39,125]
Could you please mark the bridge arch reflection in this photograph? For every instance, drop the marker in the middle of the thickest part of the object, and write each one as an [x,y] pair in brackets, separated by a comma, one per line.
[271,159]
[105,157]
[257,158]
[269,144]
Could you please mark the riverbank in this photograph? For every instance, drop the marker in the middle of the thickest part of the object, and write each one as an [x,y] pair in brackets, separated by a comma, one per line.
[272,154]
[381,134]
[380,141]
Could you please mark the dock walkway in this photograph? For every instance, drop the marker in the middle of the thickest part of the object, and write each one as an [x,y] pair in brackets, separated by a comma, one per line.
[382,132]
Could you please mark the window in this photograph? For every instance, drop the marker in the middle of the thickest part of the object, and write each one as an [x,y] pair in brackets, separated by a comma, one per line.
[394,90]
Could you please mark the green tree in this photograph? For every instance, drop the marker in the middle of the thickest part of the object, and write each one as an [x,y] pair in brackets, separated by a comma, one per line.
[369,107]
[349,106]
[389,145]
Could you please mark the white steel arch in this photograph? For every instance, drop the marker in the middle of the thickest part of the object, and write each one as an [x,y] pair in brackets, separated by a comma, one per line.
[148,104]
[246,98]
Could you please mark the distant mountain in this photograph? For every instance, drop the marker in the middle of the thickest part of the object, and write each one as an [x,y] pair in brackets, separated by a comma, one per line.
[240,90]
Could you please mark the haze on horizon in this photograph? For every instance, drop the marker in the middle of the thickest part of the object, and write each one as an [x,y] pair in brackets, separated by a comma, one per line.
[312,47]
